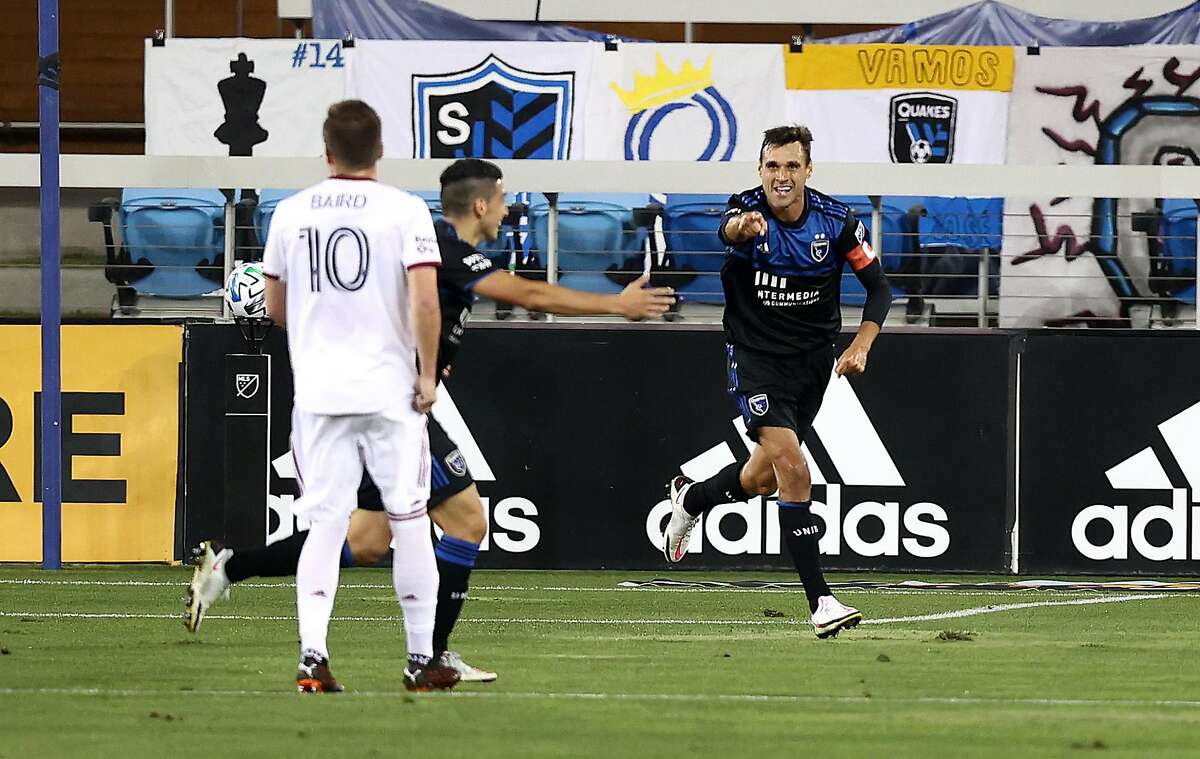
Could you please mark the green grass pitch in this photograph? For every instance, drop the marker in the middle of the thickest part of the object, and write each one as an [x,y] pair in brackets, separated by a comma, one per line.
[96,662]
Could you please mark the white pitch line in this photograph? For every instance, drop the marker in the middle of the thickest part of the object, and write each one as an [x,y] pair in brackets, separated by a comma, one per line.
[1013,607]
[585,696]
[956,614]
[115,615]
[564,589]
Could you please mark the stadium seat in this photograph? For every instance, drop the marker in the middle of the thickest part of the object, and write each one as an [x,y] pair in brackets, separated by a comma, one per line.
[690,224]
[267,201]
[897,243]
[1178,264]
[172,242]
[952,234]
[596,235]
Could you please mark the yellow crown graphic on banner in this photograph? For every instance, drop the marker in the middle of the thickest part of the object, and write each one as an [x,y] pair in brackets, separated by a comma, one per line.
[665,85]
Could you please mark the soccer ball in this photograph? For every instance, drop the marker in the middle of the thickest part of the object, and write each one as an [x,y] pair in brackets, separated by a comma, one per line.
[920,151]
[246,291]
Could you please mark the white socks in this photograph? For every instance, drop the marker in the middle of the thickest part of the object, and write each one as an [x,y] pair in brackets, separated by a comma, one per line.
[415,577]
[317,582]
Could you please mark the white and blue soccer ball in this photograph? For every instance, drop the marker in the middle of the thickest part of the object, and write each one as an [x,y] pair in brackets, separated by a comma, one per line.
[246,291]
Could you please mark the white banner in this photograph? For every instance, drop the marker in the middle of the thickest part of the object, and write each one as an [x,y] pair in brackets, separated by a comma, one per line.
[220,97]
[901,103]
[476,99]
[1071,260]
[674,102]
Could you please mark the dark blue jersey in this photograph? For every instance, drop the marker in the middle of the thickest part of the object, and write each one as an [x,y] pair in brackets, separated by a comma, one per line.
[462,266]
[782,289]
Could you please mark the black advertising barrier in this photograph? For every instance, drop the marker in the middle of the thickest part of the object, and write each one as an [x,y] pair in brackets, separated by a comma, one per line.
[1110,453]
[573,432]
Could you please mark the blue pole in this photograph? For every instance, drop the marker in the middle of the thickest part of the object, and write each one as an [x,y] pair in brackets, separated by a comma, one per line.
[48,81]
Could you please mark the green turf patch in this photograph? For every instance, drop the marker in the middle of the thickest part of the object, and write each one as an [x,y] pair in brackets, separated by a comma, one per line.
[588,668]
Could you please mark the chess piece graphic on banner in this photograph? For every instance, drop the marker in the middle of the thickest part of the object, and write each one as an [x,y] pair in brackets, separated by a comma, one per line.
[242,95]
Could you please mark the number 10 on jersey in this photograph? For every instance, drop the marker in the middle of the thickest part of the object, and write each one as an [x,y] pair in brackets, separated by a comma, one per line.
[343,260]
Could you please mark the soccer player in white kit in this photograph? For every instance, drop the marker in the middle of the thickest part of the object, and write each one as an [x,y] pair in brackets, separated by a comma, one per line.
[351,266]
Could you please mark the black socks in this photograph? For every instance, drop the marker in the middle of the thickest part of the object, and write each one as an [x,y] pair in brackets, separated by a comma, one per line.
[723,487]
[800,532]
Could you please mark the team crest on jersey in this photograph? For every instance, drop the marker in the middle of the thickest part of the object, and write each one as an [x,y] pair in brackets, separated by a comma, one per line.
[493,110]
[456,463]
[759,404]
[818,249]
[922,128]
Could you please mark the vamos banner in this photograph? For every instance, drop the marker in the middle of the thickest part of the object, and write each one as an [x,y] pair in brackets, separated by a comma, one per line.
[910,460]
[901,103]
[1110,454]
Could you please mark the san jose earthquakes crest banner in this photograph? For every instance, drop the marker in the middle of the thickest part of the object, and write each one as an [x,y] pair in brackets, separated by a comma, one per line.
[683,102]
[241,97]
[475,99]
[901,103]
[1082,260]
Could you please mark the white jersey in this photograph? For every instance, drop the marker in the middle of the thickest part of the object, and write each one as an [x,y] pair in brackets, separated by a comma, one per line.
[344,247]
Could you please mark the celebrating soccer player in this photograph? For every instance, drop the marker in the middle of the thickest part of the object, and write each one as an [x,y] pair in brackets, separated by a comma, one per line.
[787,244]
[474,207]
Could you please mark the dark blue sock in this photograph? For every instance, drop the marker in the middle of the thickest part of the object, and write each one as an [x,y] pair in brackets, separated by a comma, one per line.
[455,560]
[347,556]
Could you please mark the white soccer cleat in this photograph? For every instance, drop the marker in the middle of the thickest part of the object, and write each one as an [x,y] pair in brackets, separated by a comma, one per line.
[832,616]
[466,673]
[209,584]
[679,529]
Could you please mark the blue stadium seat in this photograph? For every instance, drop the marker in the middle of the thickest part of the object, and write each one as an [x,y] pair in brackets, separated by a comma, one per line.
[897,242]
[690,224]
[267,201]
[174,234]
[595,233]
[1179,247]
[952,234]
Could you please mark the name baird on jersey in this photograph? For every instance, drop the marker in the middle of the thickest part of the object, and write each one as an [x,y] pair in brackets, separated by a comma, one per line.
[868,528]
[338,200]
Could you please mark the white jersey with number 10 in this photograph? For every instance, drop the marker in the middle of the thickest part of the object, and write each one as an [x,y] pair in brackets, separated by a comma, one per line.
[343,247]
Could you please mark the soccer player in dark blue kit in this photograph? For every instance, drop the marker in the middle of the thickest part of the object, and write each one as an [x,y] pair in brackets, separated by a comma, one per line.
[473,200]
[787,244]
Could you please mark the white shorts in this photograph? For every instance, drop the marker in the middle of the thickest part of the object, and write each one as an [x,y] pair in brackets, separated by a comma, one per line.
[331,452]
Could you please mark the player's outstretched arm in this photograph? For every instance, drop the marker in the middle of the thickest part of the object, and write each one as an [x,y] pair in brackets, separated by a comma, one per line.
[635,302]
[426,318]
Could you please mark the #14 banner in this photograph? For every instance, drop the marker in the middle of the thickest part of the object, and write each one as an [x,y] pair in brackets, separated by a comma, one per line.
[475,99]
[901,103]
[241,97]
[679,102]
[1080,260]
